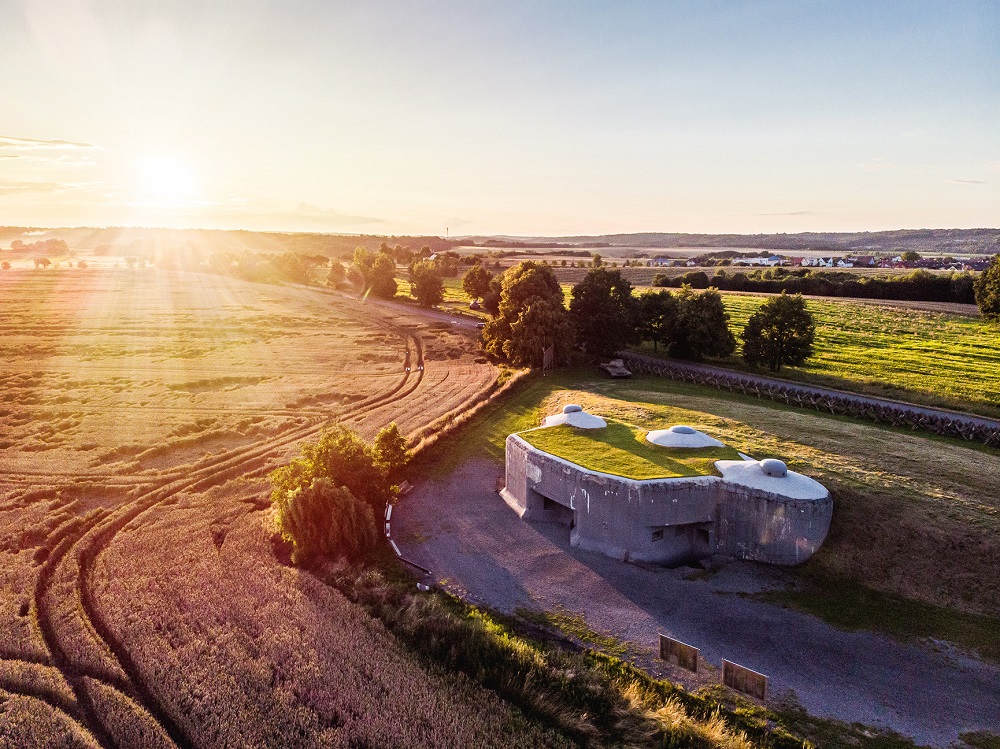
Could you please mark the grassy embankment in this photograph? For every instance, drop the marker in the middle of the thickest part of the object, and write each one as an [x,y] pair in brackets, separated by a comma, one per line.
[622,450]
[593,698]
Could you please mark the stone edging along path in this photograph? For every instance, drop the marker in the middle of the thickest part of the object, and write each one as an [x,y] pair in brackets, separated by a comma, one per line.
[880,410]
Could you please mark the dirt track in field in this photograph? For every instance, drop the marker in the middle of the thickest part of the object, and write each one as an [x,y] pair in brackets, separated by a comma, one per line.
[131,395]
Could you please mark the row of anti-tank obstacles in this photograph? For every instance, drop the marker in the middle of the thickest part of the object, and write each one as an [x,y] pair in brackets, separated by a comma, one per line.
[734,676]
[844,404]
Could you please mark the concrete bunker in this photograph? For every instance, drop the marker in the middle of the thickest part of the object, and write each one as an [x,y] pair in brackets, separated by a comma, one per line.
[686,495]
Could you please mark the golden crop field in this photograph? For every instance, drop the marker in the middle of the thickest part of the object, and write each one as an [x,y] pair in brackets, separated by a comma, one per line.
[141,601]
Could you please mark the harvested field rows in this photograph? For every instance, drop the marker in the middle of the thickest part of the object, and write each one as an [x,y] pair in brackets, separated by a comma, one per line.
[187,472]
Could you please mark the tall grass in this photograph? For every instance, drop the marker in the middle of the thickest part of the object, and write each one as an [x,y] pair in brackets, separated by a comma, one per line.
[597,700]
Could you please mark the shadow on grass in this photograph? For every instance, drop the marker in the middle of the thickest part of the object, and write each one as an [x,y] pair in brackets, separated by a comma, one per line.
[849,606]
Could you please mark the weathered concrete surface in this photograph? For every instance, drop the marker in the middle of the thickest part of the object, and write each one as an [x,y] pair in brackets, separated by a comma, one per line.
[663,521]
[463,531]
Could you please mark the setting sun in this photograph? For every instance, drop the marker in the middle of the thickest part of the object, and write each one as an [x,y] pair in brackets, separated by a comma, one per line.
[165,179]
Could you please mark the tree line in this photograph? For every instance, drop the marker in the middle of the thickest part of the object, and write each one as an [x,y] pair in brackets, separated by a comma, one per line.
[529,316]
[918,286]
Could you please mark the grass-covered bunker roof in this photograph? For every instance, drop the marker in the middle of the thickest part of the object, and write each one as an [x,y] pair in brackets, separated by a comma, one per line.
[622,450]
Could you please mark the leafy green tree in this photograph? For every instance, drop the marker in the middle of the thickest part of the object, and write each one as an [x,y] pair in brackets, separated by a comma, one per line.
[987,290]
[780,333]
[657,317]
[476,282]
[519,333]
[596,261]
[382,277]
[390,451]
[910,256]
[344,458]
[603,312]
[337,274]
[363,260]
[323,519]
[543,323]
[428,289]
[491,299]
[702,326]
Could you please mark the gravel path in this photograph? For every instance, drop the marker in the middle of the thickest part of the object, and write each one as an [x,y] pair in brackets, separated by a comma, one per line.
[463,531]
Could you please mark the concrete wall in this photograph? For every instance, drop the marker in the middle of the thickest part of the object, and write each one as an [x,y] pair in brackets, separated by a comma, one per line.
[663,520]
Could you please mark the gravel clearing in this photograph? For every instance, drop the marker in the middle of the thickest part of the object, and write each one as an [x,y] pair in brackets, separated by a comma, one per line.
[476,545]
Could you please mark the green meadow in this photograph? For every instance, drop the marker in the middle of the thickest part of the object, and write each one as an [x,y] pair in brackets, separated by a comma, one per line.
[929,357]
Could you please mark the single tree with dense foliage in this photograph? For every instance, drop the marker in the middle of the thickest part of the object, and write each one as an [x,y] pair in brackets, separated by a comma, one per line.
[390,452]
[325,520]
[530,317]
[702,326]
[657,318]
[476,282]
[326,500]
[780,333]
[382,277]
[987,289]
[428,289]
[491,299]
[337,274]
[603,312]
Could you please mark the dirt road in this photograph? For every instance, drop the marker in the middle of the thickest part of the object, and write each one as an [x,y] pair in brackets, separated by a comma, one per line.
[463,531]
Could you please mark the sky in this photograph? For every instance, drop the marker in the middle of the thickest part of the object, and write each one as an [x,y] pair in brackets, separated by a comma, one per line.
[519,118]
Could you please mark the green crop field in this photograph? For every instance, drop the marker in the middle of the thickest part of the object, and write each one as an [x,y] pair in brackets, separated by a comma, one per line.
[934,358]
[622,450]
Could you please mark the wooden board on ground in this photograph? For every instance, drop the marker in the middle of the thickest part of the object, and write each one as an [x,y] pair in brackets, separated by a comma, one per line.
[686,656]
[743,679]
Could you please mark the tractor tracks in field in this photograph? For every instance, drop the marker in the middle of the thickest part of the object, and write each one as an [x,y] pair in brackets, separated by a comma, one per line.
[83,541]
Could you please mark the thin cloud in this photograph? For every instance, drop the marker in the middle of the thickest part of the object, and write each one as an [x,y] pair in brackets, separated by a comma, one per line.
[15,188]
[968,181]
[316,213]
[31,144]
[791,213]
[19,188]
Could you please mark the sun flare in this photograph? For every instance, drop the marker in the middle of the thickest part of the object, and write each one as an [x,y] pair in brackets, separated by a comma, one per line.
[165,179]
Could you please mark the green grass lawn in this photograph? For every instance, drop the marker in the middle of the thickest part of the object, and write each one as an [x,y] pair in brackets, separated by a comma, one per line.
[949,361]
[622,450]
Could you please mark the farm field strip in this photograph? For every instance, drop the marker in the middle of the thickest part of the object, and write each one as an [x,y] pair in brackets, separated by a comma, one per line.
[99,534]
[63,609]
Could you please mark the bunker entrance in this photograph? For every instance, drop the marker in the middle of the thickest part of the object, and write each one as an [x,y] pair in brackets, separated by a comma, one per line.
[558,513]
[684,544]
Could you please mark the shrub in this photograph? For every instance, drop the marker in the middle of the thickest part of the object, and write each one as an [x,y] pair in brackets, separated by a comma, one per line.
[326,500]
[323,519]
